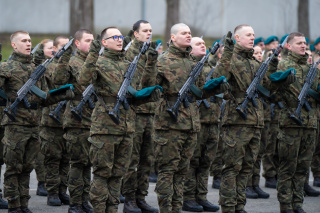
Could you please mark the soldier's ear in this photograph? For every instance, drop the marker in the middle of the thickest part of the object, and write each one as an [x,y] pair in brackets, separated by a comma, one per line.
[173,37]
[77,42]
[13,44]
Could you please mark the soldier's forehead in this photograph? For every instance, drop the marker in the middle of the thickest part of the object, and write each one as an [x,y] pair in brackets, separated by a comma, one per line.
[244,30]
[22,36]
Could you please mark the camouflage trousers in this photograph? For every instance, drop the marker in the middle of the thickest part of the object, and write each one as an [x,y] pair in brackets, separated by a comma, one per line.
[295,148]
[196,180]
[1,154]
[217,164]
[136,181]
[80,167]
[40,168]
[56,159]
[110,157]
[270,159]
[254,177]
[173,151]
[240,150]
[21,146]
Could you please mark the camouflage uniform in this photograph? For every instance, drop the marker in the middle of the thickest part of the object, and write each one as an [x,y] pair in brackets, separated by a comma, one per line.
[136,180]
[21,137]
[217,163]
[53,145]
[241,138]
[111,144]
[295,143]
[196,181]
[76,132]
[174,141]
[2,106]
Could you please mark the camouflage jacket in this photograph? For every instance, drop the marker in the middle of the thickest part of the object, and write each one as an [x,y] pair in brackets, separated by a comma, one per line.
[239,67]
[174,67]
[290,93]
[46,120]
[13,75]
[68,74]
[212,114]
[141,80]
[107,74]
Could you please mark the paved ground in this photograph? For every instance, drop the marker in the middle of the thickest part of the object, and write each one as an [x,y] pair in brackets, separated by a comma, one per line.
[312,205]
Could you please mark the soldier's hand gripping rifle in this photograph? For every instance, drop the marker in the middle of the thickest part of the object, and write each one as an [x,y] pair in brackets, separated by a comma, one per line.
[252,91]
[86,97]
[29,87]
[183,92]
[206,103]
[122,93]
[303,96]
[55,114]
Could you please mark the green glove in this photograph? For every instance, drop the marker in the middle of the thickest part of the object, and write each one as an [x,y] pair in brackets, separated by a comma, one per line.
[228,42]
[153,44]
[127,38]
[38,56]
[152,54]
[155,95]
[66,55]
[95,46]
[290,79]
[224,87]
[274,63]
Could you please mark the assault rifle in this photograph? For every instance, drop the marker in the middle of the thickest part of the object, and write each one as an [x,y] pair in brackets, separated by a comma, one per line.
[29,86]
[183,92]
[86,97]
[121,96]
[55,114]
[252,91]
[302,98]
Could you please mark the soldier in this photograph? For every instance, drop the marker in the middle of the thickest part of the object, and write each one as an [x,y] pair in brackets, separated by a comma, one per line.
[284,52]
[175,140]
[20,139]
[136,181]
[111,144]
[295,142]
[253,189]
[241,137]
[260,42]
[52,143]
[77,132]
[196,181]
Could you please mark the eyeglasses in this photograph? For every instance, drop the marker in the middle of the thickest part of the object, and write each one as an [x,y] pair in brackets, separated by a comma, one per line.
[116,38]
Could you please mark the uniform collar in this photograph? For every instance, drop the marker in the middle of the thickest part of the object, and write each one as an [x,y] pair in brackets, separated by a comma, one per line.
[81,54]
[25,59]
[246,53]
[300,59]
[179,52]
[114,55]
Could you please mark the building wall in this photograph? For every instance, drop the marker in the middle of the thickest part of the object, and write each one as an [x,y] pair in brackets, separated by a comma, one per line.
[210,18]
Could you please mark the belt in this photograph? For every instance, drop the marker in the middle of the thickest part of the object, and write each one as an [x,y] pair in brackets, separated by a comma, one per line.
[174,98]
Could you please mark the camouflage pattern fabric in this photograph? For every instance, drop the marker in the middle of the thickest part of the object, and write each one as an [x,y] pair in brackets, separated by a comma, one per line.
[21,146]
[40,168]
[136,181]
[80,167]
[56,161]
[173,151]
[217,163]
[109,155]
[240,150]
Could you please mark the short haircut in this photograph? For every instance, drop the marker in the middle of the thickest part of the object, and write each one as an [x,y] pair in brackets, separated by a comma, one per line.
[104,32]
[15,34]
[175,28]
[79,34]
[136,26]
[239,27]
[294,34]
[56,40]
[195,38]
[44,41]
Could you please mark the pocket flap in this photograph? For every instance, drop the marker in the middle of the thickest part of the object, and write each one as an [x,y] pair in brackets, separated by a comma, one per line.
[98,144]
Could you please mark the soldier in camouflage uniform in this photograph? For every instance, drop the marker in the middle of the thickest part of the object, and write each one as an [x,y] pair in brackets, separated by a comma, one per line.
[270,43]
[241,138]
[77,132]
[52,143]
[21,143]
[295,142]
[136,181]
[111,144]
[196,181]
[3,102]
[175,141]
